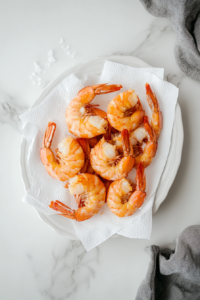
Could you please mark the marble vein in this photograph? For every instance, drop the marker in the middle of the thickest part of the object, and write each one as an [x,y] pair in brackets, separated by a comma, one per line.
[175,79]
[157,29]
[70,269]
[10,111]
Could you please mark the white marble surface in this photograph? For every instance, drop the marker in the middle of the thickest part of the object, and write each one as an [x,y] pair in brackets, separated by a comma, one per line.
[36,263]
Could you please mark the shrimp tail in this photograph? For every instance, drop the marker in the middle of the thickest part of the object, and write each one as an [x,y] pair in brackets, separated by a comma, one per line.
[98,112]
[85,146]
[127,147]
[86,149]
[139,104]
[129,160]
[149,130]
[49,133]
[45,151]
[157,117]
[64,209]
[93,141]
[151,98]
[107,135]
[85,167]
[100,89]
[140,178]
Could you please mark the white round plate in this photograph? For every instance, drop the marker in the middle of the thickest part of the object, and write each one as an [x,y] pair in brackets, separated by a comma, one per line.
[65,226]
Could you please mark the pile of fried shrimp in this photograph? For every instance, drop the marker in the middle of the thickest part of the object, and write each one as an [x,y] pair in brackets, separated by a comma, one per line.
[106,146]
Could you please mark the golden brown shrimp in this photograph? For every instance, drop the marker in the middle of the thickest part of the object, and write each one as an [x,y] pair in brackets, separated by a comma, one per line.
[124,197]
[157,119]
[86,120]
[151,146]
[107,163]
[90,194]
[125,111]
[69,155]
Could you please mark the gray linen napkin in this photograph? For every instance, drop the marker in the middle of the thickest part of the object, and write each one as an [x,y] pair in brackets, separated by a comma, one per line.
[174,275]
[185,20]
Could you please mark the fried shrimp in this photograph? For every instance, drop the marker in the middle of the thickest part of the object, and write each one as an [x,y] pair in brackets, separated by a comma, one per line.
[107,162]
[157,119]
[151,146]
[69,155]
[90,194]
[124,197]
[125,111]
[86,120]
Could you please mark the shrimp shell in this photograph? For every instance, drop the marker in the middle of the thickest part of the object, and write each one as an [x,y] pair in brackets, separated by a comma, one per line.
[69,155]
[125,111]
[85,120]
[150,149]
[90,194]
[107,163]
[124,198]
[157,118]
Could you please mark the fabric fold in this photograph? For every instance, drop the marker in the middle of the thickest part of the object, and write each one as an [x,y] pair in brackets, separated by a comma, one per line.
[185,20]
[174,274]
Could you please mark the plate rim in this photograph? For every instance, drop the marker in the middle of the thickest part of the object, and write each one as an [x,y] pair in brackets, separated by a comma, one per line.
[53,85]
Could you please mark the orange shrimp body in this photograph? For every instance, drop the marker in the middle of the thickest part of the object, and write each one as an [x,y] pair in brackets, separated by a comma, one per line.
[125,111]
[90,195]
[85,120]
[106,161]
[157,118]
[151,146]
[124,197]
[69,158]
